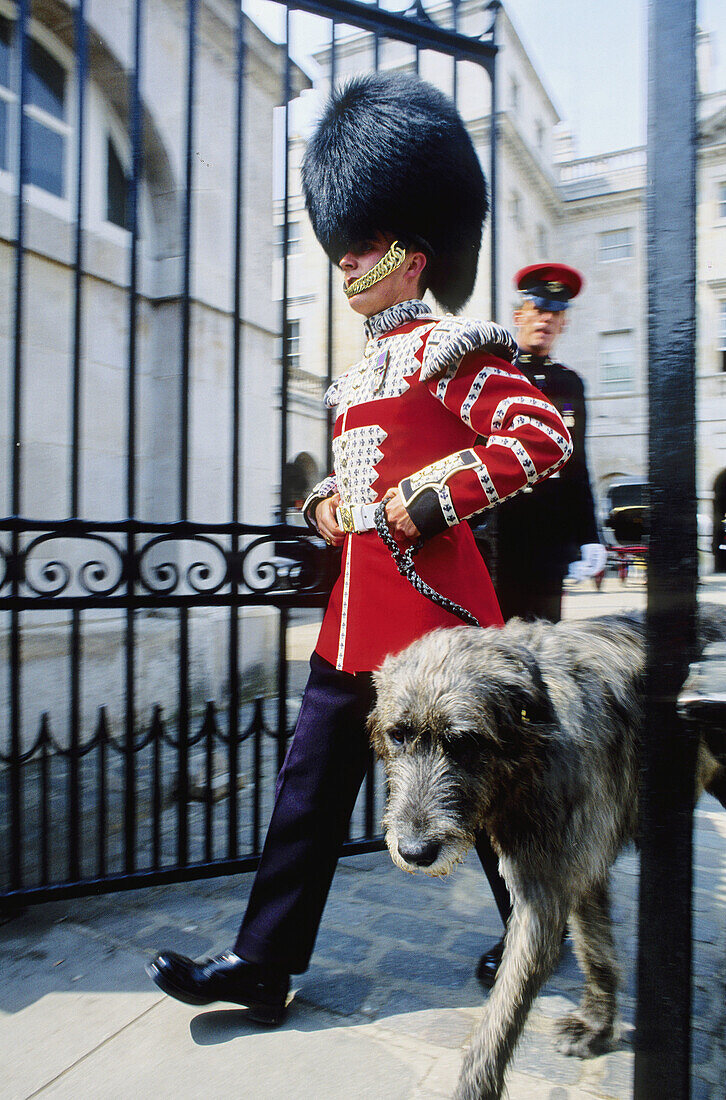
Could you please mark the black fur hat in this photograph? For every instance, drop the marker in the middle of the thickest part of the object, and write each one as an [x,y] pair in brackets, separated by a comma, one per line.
[391,155]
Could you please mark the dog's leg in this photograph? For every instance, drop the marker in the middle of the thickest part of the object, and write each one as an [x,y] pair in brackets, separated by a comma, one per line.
[531,951]
[590,1030]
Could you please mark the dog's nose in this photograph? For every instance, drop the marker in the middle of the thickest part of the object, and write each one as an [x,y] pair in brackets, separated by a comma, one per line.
[422,853]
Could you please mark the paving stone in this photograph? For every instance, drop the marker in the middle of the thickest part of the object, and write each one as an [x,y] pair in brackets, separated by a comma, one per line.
[411,930]
[615,1074]
[425,967]
[339,945]
[536,1055]
[339,991]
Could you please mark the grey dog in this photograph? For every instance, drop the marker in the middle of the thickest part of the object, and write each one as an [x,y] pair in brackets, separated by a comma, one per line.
[530,731]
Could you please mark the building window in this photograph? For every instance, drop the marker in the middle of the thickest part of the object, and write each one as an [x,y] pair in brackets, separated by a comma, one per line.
[541,242]
[515,209]
[722,201]
[722,336]
[539,134]
[617,361]
[616,244]
[294,238]
[45,110]
[513,94]
[6,96]
[117,189]
[293,345]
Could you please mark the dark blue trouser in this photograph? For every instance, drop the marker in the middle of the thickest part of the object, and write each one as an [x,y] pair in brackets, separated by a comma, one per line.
[314,798]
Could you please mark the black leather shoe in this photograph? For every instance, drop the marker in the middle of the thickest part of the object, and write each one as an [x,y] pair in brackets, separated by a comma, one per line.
[486,970]
[225,977]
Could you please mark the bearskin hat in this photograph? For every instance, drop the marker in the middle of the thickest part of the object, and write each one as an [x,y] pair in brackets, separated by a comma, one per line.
[391,154]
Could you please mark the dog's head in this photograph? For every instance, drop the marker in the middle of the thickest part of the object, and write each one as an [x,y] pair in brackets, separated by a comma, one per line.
[458,715]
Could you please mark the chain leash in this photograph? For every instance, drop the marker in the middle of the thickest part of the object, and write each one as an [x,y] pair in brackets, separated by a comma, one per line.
[405,566]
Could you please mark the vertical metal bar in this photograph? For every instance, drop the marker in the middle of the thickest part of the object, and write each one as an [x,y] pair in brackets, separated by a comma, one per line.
[102,788]
[233,648]
[210,729]
[330,289]
[135,116]
[187,253]
[16,810]
[662,1043]
[370,795]
[285,348]
[157,731]
[183,730]
[258,726]
[74,784]
[283,618]
[74,722]
[376,46]
[81,43]
[493,197]
[45,821]
[282,685]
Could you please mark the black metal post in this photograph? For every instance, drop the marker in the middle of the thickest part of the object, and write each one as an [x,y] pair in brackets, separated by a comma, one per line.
[234,625]
[16,479]
[662,1058]
[136,128]
[494,7]
[184,699]
[332,273]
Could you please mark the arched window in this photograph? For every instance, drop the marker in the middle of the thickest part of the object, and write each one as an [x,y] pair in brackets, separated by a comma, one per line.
[46,109]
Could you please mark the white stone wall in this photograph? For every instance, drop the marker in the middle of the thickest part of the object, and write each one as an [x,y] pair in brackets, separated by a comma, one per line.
[48,330]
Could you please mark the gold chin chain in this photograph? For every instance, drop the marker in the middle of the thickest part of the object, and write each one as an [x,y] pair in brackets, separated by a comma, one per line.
[388,263]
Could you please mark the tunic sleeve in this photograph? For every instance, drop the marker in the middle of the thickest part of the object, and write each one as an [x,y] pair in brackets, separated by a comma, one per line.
[523,439]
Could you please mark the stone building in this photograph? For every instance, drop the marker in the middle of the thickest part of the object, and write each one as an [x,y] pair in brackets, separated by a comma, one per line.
[48,308]
[589,212]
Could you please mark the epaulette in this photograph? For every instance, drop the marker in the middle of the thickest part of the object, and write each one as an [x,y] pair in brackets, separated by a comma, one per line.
[455,337]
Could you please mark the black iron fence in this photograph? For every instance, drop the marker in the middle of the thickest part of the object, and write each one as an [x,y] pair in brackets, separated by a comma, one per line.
[166,785]
[115,766]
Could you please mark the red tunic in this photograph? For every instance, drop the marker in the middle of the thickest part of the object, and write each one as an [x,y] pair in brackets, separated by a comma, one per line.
[457,430]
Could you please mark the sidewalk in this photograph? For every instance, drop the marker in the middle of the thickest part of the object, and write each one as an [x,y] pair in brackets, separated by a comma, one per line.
[383,1013]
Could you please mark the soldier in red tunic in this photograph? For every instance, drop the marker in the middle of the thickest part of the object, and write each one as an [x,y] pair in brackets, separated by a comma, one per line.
[434,420]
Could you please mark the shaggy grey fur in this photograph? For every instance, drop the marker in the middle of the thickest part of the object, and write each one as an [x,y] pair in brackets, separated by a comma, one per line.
[531,732]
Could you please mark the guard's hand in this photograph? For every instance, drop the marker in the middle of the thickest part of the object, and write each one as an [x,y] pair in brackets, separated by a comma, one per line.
[398,518]
[326,521]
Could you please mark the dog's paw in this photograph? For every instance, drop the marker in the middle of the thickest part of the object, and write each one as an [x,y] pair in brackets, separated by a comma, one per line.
[582,1040]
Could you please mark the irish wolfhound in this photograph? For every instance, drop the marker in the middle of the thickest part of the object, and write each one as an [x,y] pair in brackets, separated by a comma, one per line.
[531,732]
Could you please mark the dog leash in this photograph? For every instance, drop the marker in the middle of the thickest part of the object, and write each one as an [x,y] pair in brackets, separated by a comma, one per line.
[405,566]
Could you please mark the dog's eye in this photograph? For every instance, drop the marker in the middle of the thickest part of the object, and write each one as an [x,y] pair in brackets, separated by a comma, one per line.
[400,734]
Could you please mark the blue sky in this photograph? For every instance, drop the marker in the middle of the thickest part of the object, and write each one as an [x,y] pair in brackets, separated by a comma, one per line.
[591,56]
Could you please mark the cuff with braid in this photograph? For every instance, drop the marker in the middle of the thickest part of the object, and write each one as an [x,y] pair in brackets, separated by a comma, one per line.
[324,489]
[427,498]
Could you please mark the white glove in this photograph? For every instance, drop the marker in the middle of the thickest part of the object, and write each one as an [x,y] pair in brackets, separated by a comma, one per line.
[594,557]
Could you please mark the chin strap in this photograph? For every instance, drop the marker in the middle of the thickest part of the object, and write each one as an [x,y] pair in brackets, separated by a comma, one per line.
[405,566]
[393,258]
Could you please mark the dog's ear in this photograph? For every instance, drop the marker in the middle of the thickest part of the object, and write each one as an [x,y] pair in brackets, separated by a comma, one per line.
[523,705]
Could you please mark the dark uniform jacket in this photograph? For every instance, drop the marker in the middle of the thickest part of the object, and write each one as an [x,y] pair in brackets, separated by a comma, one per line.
[538,533]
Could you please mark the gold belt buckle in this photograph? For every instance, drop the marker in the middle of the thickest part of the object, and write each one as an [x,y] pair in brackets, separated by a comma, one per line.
[346,519]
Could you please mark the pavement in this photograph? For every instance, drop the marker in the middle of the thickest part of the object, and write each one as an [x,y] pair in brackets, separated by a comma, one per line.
[383,1013]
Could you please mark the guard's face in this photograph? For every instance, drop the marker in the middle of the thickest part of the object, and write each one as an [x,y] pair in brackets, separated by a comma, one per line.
[398,286]
[537,329]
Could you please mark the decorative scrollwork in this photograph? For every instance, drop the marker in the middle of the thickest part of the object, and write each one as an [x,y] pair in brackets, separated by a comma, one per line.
[186,566]
[63,572]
